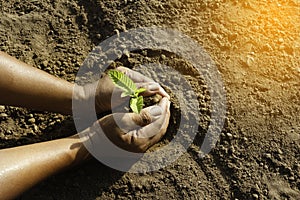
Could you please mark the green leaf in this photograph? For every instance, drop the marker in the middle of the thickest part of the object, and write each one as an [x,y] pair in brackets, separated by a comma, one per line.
[140,90]
[125,94]
[122,81]
[136,104]
[129,89]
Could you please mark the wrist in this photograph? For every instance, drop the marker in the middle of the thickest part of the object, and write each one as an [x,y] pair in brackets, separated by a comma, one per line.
[80,99]
[79,93]
[77,151]
[88,95]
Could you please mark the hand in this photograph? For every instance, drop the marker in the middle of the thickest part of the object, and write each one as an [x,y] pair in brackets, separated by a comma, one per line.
[137,132]
[106,87]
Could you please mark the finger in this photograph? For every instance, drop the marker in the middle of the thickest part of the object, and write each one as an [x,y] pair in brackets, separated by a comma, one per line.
[135,76]
[165,125]
[153,88]
[157,128]
[145,82]
[132,121]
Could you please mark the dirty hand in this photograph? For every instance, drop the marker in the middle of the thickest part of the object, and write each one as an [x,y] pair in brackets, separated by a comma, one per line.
[137,132]
[105,90]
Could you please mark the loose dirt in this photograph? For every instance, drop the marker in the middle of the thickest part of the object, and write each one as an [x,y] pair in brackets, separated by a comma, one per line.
[256,47]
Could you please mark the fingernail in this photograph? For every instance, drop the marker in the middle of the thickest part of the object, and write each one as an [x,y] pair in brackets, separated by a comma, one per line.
[168,96]
[165,103]
[153,87]
[164,93]
[156,111]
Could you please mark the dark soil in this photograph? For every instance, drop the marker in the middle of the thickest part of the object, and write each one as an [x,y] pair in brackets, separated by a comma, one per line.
[256,47]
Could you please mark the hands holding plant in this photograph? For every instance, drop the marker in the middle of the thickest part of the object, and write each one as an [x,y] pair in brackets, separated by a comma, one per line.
[135,131]
[26,86]
[36,89]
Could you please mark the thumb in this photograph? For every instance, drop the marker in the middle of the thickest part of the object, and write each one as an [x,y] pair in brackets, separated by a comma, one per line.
[147,115]
[133,121]
[153,88]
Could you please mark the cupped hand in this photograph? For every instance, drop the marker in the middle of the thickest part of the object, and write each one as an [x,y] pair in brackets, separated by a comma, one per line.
[137,132]
[106,88]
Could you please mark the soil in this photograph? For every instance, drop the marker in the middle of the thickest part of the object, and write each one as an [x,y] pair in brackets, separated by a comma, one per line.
[256,47]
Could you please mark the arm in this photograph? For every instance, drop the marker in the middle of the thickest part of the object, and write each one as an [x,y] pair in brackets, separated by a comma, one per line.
[26,86]
[22,85]
[22,167]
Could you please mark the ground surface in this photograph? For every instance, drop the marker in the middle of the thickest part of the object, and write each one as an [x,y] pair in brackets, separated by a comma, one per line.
[256,47]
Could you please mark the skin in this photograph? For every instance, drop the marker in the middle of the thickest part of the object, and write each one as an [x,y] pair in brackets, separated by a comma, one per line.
[25,86]
[23,167]
[22,85]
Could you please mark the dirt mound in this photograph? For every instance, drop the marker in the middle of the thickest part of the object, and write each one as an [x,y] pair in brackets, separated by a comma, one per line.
[256,47]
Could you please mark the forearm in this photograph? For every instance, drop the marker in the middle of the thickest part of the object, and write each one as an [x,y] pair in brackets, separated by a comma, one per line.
[22,167]
[26,86]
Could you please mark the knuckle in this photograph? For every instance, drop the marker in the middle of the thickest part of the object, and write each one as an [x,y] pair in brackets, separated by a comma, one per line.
[138,145]
[146,118]
[142,119]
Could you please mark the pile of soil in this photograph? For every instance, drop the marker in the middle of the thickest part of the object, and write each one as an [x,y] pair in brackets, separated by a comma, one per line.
[256,47]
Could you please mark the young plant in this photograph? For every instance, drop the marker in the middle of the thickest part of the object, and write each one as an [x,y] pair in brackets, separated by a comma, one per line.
[129,89]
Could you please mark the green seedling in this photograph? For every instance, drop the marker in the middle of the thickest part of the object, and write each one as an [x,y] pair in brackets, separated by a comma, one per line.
[129,89]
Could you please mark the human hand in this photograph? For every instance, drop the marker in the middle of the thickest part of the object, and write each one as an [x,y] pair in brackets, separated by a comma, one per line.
[137,132]
[106,89]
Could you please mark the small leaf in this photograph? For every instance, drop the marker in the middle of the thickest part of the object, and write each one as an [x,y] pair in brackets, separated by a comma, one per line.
[129,89]
[133,105]
[140,90]
[122,81]
[125,94]
[136,104]
[140,103]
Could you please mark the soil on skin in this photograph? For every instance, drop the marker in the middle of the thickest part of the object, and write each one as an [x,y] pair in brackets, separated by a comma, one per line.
[256,47]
